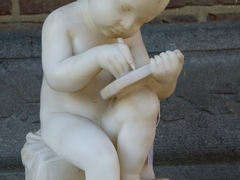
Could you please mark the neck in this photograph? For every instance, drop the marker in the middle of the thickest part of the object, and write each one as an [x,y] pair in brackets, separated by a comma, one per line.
[88,19]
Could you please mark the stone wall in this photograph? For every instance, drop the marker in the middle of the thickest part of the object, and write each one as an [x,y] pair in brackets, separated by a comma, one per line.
[177,11]
[198,137]
[199,133]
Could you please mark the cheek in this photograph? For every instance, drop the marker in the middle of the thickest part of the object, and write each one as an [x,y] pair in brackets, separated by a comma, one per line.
[100,17]
[108,20]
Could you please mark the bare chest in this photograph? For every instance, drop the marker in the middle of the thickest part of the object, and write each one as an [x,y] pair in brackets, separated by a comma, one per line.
[83,40]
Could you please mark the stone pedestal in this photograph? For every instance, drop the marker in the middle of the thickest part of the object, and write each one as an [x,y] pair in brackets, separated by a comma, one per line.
[41,163]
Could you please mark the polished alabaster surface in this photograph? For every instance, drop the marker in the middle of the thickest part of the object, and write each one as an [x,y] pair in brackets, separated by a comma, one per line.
[100,91]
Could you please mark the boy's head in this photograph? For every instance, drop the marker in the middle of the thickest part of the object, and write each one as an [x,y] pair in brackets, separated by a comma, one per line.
[123,18]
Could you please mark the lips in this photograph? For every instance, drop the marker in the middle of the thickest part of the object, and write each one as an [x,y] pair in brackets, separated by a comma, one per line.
[117,32]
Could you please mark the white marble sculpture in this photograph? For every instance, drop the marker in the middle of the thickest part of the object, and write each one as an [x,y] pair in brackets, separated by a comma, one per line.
[89,120]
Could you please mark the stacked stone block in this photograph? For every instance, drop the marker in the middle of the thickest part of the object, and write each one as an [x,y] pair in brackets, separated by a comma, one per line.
[177,10]
[199,133]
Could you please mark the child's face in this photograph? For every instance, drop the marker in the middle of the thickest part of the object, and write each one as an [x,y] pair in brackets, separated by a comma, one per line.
[123,18]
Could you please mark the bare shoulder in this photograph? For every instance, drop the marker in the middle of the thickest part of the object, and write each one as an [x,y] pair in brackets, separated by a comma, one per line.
[56,26]
[56,41]
[55,19]
[61,18]
[55,29]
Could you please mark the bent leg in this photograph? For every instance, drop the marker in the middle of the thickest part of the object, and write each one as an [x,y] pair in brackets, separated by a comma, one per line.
[82,143]
[134,119]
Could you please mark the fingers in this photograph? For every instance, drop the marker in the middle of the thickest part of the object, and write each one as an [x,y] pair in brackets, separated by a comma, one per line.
[125,51]
[120,61]
[164,61]
[179,55]
[174,57]
[167,58]
[112,70]
[157,63]
[115,58]
[157,67]
[167,66]
[119,66]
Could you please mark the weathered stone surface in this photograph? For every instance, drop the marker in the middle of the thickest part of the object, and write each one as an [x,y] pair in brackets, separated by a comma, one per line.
[5,7]
[20,82]
[187,37]
[177,3]
[228,2]
[223,17]
[19,26]
[16,175]
[199,172]
[39,6]
[199,122]
[191,36]
[20,44]
[180,3]
[174,19]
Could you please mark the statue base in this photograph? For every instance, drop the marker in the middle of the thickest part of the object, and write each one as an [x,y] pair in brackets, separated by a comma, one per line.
[41,163]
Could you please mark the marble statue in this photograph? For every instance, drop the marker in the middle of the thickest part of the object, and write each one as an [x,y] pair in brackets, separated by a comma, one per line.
[93,46]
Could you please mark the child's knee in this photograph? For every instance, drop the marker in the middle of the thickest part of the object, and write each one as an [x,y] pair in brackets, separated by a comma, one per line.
[142,103]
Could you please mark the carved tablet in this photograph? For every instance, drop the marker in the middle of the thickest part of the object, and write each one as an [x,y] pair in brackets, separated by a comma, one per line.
[127,81]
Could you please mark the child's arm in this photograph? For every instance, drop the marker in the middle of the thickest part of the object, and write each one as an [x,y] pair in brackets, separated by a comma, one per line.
[65,71]
[62,70]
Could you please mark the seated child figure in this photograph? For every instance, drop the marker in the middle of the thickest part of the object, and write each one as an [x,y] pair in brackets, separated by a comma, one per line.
[108,139]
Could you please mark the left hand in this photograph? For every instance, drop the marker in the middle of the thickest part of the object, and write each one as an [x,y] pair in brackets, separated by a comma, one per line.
[167,66]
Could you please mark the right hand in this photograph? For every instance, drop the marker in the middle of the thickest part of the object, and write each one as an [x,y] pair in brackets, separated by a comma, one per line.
[116,58]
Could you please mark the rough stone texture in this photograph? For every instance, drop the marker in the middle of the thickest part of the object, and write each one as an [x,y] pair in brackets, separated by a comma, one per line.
[174,19]
[202,117]
[26,46]
[200,121]
[20,83]
[40,6]
[192,36]
[199,129]
[223,17]
[180,3]
[199,172]
[228,2]
[19,26]
[15,175]
[5,7]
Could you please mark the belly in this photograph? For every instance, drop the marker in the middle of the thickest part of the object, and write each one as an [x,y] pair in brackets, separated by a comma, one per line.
[86,102]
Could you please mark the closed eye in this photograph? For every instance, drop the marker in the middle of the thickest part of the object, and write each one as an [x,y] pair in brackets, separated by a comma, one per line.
[125,9]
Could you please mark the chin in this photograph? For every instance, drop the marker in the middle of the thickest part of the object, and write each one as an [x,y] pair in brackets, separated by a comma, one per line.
[113,35]
[124,35]
[127,35]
